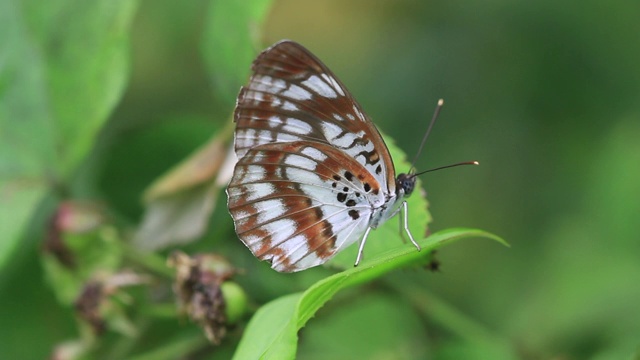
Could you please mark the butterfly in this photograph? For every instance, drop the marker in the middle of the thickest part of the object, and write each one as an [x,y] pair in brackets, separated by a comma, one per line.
[314,174]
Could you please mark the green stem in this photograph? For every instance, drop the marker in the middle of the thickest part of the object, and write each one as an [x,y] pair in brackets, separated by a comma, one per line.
[175,348]
[160,311]
[446,315]
[149,260]
[125,344]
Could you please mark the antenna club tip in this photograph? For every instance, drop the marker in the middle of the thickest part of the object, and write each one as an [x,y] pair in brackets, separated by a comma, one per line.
[440,102]
[475,162]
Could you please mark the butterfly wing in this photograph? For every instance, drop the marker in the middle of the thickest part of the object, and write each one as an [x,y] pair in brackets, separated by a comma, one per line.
[297,204]
[292,96]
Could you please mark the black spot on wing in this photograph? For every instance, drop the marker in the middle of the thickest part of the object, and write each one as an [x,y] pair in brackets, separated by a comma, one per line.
[348,175]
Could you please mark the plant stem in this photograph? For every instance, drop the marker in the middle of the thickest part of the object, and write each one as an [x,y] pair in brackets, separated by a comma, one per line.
[445,315]
[176,348]
[149,260]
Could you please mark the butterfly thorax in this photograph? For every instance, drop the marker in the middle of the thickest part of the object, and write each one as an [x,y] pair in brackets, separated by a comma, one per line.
[381,214]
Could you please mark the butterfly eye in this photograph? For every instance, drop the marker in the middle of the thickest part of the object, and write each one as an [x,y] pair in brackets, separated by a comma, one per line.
[406,183]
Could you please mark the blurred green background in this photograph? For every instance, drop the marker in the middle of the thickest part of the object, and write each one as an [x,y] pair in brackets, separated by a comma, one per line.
[545,94]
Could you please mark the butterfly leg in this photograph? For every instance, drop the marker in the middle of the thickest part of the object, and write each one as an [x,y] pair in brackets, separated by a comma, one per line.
[405,216]
[400,226]
[404,224]
[361,248]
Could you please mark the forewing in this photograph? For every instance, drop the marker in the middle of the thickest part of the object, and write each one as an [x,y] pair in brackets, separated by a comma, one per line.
[292,96]
[297,204]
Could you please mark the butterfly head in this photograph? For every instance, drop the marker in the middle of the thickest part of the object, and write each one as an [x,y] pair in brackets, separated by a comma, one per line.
[405,183]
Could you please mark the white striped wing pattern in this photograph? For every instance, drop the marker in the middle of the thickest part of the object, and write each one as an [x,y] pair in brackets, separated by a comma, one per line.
[313,174]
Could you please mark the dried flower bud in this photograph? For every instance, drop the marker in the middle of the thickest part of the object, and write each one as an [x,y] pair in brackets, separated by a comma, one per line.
[205,294]
[95,297]
[87,306]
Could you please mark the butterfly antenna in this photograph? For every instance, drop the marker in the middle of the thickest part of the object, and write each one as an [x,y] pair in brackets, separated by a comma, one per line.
[426,135]
[448,166]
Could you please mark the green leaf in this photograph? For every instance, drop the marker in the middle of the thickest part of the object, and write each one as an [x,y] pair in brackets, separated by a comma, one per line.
[231,41]
[63,68]
[273,330]
[17,204]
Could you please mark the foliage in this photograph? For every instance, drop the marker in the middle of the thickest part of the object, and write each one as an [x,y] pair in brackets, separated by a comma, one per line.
[114,133]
